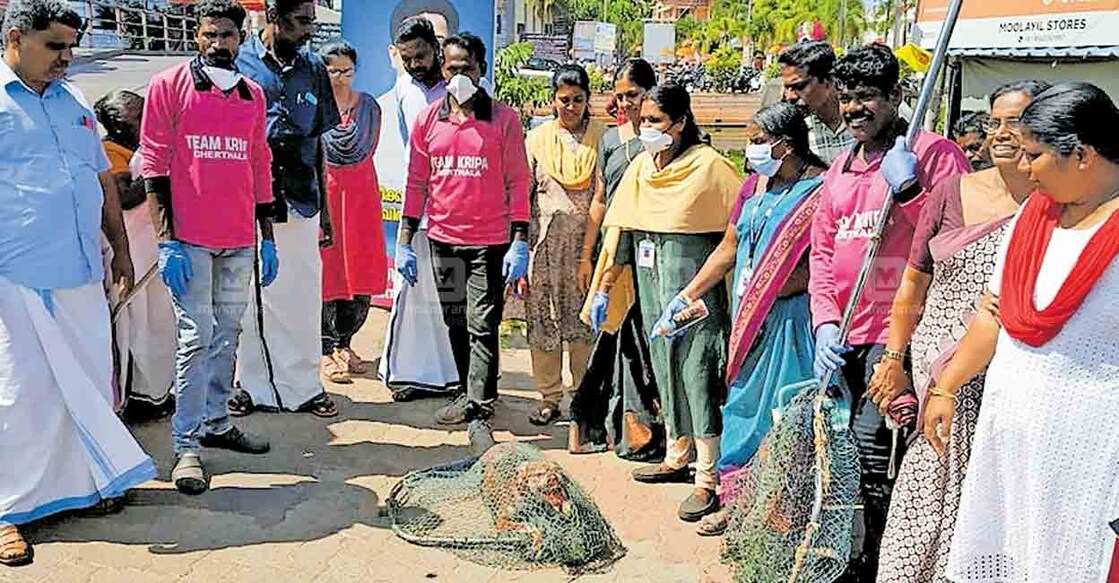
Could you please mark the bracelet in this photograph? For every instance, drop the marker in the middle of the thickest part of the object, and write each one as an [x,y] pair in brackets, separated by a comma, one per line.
[893,355]
[938,392]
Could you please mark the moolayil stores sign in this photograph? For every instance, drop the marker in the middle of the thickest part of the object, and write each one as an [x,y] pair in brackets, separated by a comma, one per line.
[1023,23]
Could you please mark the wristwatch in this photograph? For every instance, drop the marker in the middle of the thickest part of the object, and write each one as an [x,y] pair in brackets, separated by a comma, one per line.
[893,355]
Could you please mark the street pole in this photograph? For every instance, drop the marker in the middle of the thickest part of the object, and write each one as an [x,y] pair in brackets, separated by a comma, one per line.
[928,95]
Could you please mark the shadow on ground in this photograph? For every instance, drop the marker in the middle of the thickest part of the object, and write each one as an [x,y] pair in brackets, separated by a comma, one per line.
[321,477]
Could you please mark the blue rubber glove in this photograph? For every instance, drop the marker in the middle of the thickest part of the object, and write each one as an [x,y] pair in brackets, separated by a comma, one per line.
[666,325]
[174,267]
[269,263]
[515,265]
[899,166]
[406,263]
[829,352]
[598,310]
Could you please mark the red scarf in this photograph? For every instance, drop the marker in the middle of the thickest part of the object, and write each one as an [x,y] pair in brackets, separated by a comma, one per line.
[1020,317]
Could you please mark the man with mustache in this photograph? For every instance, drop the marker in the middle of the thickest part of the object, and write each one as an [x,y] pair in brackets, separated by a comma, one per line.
[879,165]
[806,74]
[280,353]
[62,447]
[207,169]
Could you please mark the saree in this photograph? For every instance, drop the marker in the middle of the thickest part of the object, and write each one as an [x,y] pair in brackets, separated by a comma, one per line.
[771,342]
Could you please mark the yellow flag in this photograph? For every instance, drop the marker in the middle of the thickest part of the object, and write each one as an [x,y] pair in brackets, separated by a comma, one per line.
[917,58]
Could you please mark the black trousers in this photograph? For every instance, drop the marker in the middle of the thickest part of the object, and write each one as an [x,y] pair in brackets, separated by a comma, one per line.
[472,296]
[874,442]
[341,320]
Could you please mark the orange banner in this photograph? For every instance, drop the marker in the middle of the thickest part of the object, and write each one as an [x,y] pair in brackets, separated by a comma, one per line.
[935,10]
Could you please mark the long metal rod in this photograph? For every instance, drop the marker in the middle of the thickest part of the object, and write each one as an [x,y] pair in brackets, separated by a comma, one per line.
[928,93]
[136,290]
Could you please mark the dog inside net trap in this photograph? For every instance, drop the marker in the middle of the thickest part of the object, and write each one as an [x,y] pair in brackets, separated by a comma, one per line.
[511,508]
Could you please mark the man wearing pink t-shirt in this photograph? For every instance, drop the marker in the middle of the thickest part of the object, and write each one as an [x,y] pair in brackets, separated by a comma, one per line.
[207,171]
[468,173]
[855,188]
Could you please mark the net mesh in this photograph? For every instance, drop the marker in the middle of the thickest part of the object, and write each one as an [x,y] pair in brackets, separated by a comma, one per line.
[512,508]
[792,519]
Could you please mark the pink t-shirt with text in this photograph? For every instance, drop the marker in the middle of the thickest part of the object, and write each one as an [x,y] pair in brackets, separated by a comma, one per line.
[470,177]
[850,203]
[214,149]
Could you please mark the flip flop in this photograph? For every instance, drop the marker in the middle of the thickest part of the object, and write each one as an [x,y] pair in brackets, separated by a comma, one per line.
[713,524]
[544,414]
[240,405]
[321,406]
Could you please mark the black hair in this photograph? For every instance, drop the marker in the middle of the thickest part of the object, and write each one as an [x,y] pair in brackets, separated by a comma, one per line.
[872,65]
[676,103]
[573,75]
[285,7]
[215,9]
[339,48]
[785,121]
[1070,115]
[637,71]
[112,110]
[416,28]
[409,8]
[29,15]
[1032,88]
[816,57]
[471,44]
[971,122]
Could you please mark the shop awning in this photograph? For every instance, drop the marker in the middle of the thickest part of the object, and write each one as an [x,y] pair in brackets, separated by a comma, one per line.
[1105,52]
[250,5]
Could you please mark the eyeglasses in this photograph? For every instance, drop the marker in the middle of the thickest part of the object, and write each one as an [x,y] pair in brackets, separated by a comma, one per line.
[339,73]
[993,124]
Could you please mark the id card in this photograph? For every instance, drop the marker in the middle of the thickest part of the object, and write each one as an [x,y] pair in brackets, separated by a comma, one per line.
[646,254]
[744,278]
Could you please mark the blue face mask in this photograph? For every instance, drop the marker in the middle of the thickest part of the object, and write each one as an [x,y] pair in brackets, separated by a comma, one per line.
[761,159]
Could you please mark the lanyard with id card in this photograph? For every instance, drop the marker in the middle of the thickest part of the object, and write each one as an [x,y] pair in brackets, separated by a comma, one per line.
[647,254]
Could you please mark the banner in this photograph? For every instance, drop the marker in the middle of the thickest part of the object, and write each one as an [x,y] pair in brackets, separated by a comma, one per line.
[659,45]
[1023,23]
[370,25]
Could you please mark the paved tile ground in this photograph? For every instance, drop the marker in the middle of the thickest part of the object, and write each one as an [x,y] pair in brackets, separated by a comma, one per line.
[310,510]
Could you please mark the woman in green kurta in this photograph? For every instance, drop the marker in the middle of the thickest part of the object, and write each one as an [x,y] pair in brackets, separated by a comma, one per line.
[667,216]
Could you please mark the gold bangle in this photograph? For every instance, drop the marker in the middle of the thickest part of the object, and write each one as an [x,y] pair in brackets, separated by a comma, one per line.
[938,392]
[893,355]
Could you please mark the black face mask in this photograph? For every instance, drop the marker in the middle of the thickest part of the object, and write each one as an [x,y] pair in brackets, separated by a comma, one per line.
[221,58]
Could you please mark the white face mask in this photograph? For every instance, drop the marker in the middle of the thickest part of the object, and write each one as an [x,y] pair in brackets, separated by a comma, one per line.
[461,88]
[761,159]
[224,79]
[654,140]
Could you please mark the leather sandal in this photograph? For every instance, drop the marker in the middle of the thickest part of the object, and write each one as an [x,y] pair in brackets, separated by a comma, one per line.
[713,524]
[188,476]
[661,474]
[348,358]
[700,503]
[334,372]
[14,549]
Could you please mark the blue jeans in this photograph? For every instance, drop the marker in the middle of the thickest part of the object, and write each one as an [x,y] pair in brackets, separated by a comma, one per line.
[209,327]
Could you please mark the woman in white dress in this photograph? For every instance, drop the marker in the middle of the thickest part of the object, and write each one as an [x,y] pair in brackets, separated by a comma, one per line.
[1042,483]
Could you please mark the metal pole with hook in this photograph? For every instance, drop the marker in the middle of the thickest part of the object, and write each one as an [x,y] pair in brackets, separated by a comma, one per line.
[928,91]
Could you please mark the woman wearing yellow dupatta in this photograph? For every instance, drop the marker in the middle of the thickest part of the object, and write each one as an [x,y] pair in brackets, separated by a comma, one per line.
[563,156]
[668,215]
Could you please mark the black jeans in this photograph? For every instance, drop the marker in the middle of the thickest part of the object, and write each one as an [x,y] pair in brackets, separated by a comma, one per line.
[341,319]
[472,295]
[874,442]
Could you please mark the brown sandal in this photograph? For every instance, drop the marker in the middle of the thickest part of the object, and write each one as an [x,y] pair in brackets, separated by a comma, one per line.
[334,371]
[348,358]
[14,549]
